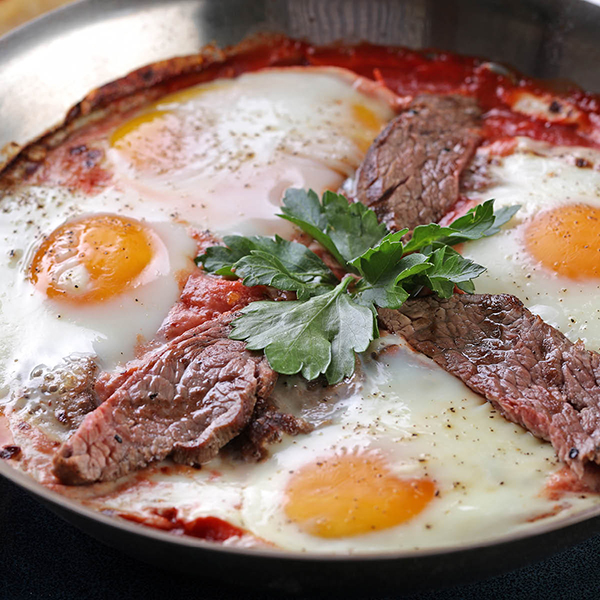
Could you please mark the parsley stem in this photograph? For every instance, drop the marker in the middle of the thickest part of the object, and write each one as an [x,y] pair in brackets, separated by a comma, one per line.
[343,285]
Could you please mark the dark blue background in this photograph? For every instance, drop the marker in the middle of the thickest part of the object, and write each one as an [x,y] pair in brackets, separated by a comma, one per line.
[42,557]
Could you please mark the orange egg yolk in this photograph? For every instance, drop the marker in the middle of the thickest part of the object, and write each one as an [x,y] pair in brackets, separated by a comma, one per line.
[353,494]
[150,141]
[567,240]
[369,126]
[96,258]
[119,137]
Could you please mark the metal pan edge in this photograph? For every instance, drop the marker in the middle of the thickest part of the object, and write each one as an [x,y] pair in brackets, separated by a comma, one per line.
[285,571]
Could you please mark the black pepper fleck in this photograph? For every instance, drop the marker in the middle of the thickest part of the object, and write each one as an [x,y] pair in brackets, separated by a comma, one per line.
[9,452]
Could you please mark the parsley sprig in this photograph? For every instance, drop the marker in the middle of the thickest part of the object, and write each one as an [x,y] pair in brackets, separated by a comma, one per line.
[320,331]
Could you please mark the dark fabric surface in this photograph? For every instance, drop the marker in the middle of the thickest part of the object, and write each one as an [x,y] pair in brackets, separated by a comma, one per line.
[42,557]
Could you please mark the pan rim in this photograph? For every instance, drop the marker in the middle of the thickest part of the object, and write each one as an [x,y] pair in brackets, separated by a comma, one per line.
[39,491]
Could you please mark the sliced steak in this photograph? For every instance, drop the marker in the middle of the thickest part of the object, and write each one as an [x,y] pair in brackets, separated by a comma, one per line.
[527,369]
[204,297]
[266,427]
[410,175]
[185,399]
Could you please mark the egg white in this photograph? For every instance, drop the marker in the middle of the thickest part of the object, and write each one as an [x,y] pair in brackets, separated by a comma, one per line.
[539,177]
[239,144]
[42,330]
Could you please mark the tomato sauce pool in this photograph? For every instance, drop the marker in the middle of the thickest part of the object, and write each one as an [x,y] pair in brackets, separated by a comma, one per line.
[211,529]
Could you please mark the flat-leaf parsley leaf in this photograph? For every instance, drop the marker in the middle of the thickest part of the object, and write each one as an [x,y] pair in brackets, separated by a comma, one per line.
[312,337]
[320,332]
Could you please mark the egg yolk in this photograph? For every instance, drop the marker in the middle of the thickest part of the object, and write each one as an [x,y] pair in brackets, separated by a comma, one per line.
[566,240]
[118,139]
[96,258]
[369,125]
[353,494]
[151,141]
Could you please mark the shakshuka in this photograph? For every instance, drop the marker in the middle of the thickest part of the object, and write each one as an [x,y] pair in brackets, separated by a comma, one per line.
[470,417]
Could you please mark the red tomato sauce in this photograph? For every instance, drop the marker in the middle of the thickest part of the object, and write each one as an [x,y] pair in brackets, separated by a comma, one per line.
[6,438]
[411,72]
[211,529]
[564,481]
[76,162]
[205,297]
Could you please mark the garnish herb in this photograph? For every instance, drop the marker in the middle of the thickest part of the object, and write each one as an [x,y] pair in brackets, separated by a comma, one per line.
[320,332]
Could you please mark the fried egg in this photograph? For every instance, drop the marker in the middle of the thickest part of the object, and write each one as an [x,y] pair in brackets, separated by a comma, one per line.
[549,254]
[222,154]
[97,284]
[410,459]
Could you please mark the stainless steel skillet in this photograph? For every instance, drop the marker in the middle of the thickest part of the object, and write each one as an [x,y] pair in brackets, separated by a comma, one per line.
[48,65]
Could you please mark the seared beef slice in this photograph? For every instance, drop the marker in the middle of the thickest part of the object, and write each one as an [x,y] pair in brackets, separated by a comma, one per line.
[410,174]
[527,369]
[266,426]
[186,399]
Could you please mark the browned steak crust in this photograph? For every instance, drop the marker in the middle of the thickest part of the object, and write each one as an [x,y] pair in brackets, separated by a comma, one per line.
[187,399]
[410,175]
[527,369]
[266,426]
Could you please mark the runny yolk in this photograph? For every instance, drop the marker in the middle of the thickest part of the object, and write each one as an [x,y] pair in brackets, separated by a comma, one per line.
[567,240]
[96,258]
[152,140]
[353,494]
[368,126]
[119,137]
